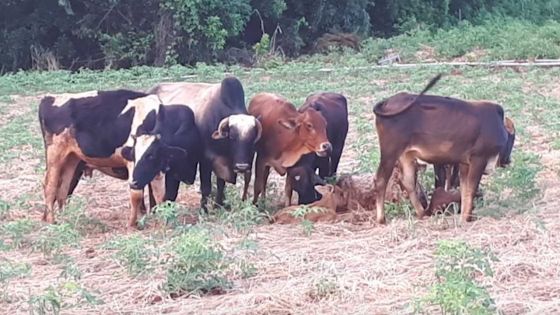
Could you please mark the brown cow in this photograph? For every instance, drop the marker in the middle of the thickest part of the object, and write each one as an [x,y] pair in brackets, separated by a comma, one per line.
[286,135]
[438,130]
[323,210]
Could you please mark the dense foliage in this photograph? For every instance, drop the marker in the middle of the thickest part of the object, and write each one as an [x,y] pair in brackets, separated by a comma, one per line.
[51,34]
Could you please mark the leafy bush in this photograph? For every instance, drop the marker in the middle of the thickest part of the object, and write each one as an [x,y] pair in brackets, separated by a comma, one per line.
[134,252]
[456,291]
[197,265]
[17,232]
[54,237]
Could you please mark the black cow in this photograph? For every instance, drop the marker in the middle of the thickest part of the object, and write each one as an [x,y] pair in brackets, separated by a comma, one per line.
[168,142]
[302,177]
[228,133]
[88,131]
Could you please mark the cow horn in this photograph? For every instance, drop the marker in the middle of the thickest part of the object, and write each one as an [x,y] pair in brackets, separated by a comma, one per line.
[259,129]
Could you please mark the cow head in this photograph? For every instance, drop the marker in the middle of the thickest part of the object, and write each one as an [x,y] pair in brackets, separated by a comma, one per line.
[505,155]
[242,133]
[303,181]
[151,154]
[311,129]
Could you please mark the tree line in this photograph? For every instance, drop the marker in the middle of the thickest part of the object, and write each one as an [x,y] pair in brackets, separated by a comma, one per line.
[53,34]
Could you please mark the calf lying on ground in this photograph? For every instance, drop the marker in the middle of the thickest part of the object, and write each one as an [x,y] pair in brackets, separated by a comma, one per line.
[323,210]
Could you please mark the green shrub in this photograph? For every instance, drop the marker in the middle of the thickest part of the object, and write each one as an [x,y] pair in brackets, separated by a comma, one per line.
[456,290]
[55,237]
[197,266]
[134,252]
[17,233]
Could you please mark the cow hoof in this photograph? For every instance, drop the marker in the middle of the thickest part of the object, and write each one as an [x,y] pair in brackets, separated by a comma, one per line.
[381,221]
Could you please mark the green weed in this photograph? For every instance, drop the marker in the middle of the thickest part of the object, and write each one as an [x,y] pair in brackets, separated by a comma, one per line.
[198,265]
[9,271]
[16,234]
[74,215]
[50,302]
[323,288]
[53,238]
[456,291]
[135,252]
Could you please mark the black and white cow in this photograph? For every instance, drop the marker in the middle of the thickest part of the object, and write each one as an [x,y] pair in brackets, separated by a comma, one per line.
[88,131]
[228,133]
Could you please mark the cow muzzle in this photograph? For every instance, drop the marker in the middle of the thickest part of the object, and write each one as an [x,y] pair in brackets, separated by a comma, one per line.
[325,149]
[242,167]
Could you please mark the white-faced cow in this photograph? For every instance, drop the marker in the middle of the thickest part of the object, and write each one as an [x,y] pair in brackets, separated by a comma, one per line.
[88,131]
[287,135]
[301,177]
[438,130]
[228,133]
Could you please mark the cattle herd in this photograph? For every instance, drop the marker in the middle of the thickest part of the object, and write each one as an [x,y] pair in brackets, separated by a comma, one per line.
[160,137]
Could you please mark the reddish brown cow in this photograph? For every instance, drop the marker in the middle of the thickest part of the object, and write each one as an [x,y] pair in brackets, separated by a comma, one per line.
[286,135]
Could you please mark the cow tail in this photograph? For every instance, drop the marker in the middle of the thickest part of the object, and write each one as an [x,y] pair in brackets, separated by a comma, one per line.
[378,108]
[44,106]
[431,84]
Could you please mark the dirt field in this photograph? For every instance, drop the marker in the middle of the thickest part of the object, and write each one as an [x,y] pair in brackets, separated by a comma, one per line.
[342,268]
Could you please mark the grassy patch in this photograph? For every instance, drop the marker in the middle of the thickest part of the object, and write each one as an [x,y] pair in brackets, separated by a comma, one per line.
[456,290]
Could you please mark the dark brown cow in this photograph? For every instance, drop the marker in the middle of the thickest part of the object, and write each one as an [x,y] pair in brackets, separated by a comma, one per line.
[438,130]
[286,135]
[447,176]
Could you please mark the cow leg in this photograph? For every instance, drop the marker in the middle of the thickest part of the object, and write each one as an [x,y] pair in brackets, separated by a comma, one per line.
[171,188]
[220,195]
[324,165]
[66,178]
[409,181]
[260,178]
[335,160]
[247,181]
[136,202]
[454,176]
[440,174]
[384,171]
[288,190]
[469,185]
[266,174]
[52,178]
[205,183]
[77,176]
[158,188]
[151,199]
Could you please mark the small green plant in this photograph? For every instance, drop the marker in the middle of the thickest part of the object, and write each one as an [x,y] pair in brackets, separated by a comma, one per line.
[70,269]
[4,210]
[63,296]
[243,215]
[74,214]
[17,232]
[323,288]
[54,237]
[8,271]
[50,302]
[456,291]
[198,265]
[135,252]
[308,227]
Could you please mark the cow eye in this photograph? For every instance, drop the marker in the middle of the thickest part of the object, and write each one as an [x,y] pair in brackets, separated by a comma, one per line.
[151,157]
[309,126]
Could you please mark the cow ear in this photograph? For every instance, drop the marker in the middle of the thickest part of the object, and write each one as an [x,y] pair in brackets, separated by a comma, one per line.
[171,153]
[323,190]
[288,123]
[128,153]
